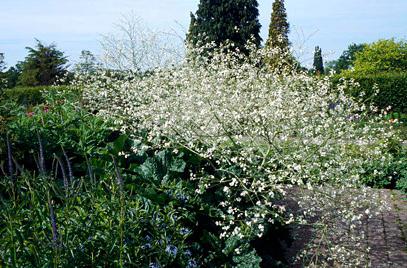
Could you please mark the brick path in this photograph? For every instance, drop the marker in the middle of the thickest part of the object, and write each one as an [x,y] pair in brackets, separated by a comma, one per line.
[385,235]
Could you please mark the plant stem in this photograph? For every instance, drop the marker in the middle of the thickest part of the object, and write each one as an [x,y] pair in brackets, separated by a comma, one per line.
[10,159]
[68,163]
[66,183]
[122,209]
[41,156]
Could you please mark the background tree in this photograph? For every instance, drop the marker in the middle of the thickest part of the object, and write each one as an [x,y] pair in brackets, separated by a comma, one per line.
[42,66]
[382,56]
[318,61]
[227,20]
[2,63]
[280,57]
[347,59]
[279,27]
[380,69]
[12,75]
[9,78]
[3,80]
[133,46]
[87,63]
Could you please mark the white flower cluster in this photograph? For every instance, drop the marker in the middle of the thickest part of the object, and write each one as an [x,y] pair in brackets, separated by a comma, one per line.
[261,128]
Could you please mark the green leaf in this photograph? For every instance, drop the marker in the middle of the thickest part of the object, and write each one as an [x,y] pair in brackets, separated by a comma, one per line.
[249,260]
[177,165]
[118,145]
[149,170]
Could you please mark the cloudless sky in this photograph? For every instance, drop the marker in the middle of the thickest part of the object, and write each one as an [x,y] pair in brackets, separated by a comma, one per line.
[75,25]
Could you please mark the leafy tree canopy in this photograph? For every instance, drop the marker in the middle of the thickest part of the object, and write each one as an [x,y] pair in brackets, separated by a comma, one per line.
[382,56]
[43,65]
[347,59]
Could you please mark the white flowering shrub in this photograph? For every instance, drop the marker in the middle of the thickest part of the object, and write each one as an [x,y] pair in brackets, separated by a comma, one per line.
[259,129]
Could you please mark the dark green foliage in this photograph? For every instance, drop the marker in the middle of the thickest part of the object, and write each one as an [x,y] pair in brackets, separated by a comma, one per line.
[318,61]
[402,183]
[31,95]
[393,175]
[87,220]
[279,27]
[220,21]
[3,82]
[43,65]
[392,89]
[347,59]
[249,260]
[11,76]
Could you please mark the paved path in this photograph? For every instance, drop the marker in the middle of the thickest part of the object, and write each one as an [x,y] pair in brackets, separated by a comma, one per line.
[386,234]
[383,244]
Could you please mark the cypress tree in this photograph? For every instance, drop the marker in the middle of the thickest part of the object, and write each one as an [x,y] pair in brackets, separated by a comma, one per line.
[318,62]
[279,27]
[219,21]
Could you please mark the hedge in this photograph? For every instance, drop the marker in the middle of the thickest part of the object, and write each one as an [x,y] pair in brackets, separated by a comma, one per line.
[30,95]
[392,89]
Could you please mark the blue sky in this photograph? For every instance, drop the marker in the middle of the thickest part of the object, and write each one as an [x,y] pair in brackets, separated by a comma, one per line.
[75,25]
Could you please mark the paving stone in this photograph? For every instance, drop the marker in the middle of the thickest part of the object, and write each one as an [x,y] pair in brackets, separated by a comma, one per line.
[398,258]
[377,242]
[400,204]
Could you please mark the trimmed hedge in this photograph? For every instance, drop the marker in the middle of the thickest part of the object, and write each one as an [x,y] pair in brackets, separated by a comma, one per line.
[392,89]
[30,95]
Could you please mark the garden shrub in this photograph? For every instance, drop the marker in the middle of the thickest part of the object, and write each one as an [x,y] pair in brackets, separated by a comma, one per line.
[386,89]
[260,131]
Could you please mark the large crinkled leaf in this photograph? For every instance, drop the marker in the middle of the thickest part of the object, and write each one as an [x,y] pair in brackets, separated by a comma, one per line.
[177,165]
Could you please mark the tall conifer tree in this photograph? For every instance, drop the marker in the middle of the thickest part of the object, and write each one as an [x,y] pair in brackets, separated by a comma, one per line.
[279,27]
[221,20]
[318,62]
